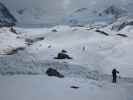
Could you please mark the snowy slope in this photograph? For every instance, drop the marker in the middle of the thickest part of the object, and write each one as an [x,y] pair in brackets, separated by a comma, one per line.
[91,51]
[95,51]
[102,53]
[9,41]
[104,43]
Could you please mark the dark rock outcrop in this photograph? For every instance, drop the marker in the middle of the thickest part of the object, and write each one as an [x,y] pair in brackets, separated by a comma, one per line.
[6,18]
[74,87]
[63,55]
[81,10]
[13,30]
[15,51]
[102,32]
[54,72]
[64,51]
[30,41]
[54,30]
[113,10]
[123,25]
[122,35]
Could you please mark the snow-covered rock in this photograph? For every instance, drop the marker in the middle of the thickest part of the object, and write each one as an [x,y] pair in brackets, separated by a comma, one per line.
[9,42]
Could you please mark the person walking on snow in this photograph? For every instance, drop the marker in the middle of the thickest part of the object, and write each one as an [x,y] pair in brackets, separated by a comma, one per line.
[114,74]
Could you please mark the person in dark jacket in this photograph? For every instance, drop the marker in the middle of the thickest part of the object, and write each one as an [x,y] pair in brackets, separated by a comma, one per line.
[114,74]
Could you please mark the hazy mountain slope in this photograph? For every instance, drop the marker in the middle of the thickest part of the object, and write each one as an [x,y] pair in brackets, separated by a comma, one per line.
[49,12]
[84,15]
[6,18]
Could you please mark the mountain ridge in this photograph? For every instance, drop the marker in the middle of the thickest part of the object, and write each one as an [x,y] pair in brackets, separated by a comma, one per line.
[6,18]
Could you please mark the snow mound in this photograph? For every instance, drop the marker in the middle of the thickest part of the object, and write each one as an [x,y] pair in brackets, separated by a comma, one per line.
[9,41]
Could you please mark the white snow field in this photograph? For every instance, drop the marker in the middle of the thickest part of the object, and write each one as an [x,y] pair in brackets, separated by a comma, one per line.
[88,48]
[45,88]
[94,55]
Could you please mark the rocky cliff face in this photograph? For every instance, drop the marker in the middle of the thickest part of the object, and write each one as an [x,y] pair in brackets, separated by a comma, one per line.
[6,18]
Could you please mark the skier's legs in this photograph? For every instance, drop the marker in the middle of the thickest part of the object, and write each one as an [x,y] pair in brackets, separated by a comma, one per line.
[114,79]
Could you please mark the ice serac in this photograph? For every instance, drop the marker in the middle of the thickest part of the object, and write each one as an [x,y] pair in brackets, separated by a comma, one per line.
[6,18]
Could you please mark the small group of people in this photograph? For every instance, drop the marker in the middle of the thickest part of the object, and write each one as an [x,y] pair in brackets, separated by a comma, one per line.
[114,75]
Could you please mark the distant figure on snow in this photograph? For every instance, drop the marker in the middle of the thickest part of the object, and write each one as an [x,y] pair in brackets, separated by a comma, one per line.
[114,74]
[83,48]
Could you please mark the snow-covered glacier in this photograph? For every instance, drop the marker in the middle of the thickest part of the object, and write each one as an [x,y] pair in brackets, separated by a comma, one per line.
[79,40]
